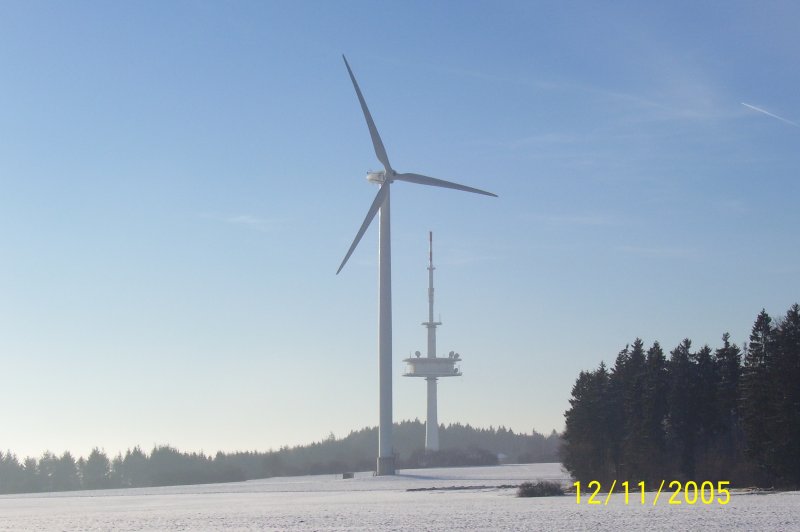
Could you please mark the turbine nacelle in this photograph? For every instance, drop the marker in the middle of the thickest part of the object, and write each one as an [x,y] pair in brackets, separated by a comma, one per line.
[376,177]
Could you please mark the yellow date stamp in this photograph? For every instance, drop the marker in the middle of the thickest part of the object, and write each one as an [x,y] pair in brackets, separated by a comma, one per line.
[677,492]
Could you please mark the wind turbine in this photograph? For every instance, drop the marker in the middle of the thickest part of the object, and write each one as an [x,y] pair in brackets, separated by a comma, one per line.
[385,178]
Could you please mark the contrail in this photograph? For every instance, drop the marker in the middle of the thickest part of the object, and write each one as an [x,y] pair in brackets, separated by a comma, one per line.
[754,108]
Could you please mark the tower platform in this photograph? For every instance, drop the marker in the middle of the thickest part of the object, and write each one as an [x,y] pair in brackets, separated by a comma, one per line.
[435,367]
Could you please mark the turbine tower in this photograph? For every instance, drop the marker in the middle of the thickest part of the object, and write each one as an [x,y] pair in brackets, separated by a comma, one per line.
[385,178]
[432,367]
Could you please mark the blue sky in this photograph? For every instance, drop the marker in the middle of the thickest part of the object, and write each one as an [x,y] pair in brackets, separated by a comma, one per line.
[181,180]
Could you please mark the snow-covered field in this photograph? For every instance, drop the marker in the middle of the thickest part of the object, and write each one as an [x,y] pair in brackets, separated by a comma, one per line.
[325,502]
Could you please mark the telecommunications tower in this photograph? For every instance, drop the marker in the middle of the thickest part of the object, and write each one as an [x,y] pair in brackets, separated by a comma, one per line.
[432,367]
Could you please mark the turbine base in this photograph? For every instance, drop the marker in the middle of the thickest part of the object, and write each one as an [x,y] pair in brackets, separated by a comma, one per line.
[385,465]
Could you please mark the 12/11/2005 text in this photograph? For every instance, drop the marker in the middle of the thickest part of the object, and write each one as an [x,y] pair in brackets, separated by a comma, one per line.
[689,492]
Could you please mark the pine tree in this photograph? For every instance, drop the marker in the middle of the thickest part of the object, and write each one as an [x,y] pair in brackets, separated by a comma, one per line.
[705,380]
[44,471]
[30,469]
[705,394]
[614,410]
[654,412]
[728,363]
[682,419]
[785,376]
[585,451]
[65,473]
[11,473]
[134,470]
[97,470]
[634,443]
[756,399]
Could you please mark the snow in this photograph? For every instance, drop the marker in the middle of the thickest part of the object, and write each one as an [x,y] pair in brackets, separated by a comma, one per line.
[327,502]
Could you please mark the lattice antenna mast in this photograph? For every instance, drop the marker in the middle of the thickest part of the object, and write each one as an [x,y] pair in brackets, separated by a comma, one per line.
[430,324]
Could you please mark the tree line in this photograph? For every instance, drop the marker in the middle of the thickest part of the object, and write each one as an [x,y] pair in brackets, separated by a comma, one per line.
[732,413]
[164,465]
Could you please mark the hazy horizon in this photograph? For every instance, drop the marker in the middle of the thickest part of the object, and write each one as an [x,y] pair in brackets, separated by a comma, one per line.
[147,448]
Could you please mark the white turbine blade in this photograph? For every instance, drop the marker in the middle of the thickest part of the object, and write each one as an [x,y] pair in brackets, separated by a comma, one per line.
[380,151]
[376,205]
[432,181]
